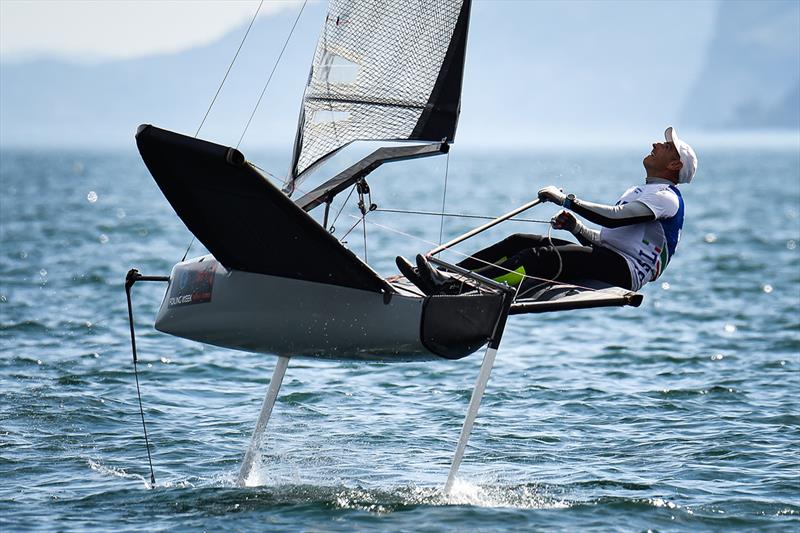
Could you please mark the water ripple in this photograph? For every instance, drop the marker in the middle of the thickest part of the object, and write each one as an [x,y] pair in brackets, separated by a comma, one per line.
[678,415]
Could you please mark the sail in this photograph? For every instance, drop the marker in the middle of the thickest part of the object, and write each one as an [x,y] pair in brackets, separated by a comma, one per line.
[386,70]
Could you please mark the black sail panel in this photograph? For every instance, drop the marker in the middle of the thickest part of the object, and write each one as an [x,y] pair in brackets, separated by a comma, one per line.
[440,118]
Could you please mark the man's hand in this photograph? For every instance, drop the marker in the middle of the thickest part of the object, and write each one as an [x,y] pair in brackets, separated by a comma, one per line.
[564,220]
[553,194]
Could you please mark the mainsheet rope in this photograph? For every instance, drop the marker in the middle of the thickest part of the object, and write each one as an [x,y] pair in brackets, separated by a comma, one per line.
[560,262]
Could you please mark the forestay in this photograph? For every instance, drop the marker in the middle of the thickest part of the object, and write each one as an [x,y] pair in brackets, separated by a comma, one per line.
[388,71]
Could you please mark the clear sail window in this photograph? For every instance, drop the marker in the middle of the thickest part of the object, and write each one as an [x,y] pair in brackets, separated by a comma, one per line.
[326,115]
[336,69]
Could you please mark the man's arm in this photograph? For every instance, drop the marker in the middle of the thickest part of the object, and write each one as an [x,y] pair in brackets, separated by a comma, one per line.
[608,216]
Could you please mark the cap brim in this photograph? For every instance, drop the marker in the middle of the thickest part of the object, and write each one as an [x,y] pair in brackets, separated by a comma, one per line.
[685,153]
[671,135]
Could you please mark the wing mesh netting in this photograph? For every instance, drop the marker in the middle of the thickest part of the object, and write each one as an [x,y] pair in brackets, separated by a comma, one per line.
[375,69]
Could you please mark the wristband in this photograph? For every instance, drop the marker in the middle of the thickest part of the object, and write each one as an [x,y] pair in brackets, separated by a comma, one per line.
[568,201]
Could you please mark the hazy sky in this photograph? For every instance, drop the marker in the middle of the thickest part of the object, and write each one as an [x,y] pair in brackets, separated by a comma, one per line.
[92,30]
[538,71]
[96,30]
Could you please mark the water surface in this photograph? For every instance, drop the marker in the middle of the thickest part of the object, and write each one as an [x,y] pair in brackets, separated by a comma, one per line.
[681,414]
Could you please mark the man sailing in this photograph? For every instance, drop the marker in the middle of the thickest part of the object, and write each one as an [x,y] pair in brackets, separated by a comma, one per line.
[638,238]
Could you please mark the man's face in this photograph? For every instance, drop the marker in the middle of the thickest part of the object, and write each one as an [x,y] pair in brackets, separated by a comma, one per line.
[662,155]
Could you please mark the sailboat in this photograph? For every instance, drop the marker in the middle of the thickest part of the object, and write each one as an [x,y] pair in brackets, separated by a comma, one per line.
[277,281]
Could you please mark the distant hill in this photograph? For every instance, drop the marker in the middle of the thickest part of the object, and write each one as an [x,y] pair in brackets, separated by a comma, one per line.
[537,72]
[60,103]
[751,77]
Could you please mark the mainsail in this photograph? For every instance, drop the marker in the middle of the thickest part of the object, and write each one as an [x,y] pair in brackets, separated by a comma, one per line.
[388,70]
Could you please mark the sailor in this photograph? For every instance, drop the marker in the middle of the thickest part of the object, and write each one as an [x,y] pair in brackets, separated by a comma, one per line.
[637,239]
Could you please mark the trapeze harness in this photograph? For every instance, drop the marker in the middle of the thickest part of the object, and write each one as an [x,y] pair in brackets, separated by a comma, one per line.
[639,235]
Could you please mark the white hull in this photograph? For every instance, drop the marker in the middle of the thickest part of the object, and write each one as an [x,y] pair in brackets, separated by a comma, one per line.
[282,316]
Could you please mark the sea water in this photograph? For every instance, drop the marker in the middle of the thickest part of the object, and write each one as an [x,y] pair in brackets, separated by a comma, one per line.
[682,414]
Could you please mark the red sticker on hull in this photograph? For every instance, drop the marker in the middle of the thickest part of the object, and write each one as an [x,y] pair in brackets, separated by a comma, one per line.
[192,284]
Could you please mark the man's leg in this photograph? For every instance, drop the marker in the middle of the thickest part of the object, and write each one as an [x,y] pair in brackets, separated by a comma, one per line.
[566,262]
[508,247]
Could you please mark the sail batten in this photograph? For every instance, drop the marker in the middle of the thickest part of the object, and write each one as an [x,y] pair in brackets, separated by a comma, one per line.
[388,71]
[387,103]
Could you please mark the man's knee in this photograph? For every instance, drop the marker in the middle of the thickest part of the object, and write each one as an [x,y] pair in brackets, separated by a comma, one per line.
[540,261]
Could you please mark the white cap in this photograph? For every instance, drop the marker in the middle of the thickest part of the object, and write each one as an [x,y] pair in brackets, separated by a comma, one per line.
[687,155]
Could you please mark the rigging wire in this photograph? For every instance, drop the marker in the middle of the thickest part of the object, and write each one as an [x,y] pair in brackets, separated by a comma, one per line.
[274,177]
[444,196]
[229,70]
[346,233]
[225,77]
[364,225]
[267,172]
[187,249]
[333,224]
[274,67]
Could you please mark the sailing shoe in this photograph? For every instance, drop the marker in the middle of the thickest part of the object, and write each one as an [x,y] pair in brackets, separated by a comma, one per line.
[434,281]
[407,269]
